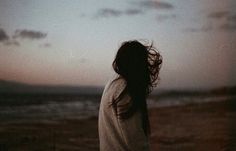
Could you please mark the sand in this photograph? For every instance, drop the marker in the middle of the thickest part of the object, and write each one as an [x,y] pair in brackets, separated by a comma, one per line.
[202,127]
[196,127]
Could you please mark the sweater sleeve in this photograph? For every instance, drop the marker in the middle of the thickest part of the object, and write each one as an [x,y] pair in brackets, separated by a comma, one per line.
[131,128]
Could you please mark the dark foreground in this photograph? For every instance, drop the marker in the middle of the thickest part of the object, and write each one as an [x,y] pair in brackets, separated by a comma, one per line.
[200,127]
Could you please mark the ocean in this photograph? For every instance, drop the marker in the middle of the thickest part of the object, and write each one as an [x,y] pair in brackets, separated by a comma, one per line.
[50,108]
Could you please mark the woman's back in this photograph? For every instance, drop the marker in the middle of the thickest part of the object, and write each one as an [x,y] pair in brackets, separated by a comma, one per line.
[117,134]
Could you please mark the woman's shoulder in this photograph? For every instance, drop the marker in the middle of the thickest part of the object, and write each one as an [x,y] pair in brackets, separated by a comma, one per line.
[118,89]
[118,81]
[116,85]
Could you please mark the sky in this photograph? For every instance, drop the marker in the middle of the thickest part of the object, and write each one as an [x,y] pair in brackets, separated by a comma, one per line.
[73,42]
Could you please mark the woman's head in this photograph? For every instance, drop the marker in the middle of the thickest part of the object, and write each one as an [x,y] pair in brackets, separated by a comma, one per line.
[139,65]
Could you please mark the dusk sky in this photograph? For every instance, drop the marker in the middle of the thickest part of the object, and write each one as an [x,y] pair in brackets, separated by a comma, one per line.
[74,42]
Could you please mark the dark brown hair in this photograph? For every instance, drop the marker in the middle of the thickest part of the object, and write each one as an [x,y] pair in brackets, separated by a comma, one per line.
[139,65]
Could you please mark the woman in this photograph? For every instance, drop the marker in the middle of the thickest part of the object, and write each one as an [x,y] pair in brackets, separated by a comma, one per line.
[123,117]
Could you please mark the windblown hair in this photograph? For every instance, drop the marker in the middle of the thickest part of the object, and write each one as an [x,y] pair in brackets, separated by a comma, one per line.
[139,65]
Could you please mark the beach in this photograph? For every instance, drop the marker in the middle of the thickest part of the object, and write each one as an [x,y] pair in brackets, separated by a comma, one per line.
[193,127]
[199,127]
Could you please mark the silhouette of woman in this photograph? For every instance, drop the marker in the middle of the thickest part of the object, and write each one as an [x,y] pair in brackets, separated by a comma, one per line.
[123,123]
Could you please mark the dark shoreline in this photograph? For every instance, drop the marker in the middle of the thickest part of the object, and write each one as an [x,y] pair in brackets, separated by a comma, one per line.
[198,127]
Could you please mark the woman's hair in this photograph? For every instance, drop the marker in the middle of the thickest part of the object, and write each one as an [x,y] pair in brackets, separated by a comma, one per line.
[139,65]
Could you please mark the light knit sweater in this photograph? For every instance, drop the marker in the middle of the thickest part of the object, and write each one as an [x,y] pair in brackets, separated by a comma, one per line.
[117,134]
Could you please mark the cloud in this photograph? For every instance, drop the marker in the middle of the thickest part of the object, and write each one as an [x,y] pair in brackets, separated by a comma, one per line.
[136,9]
[109,12]
[155,5]
[133,11]
[218,15]
[228,27]
[6,39]
[3,35]
[11,43]
[230,16]
[29,34]
[227,20]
